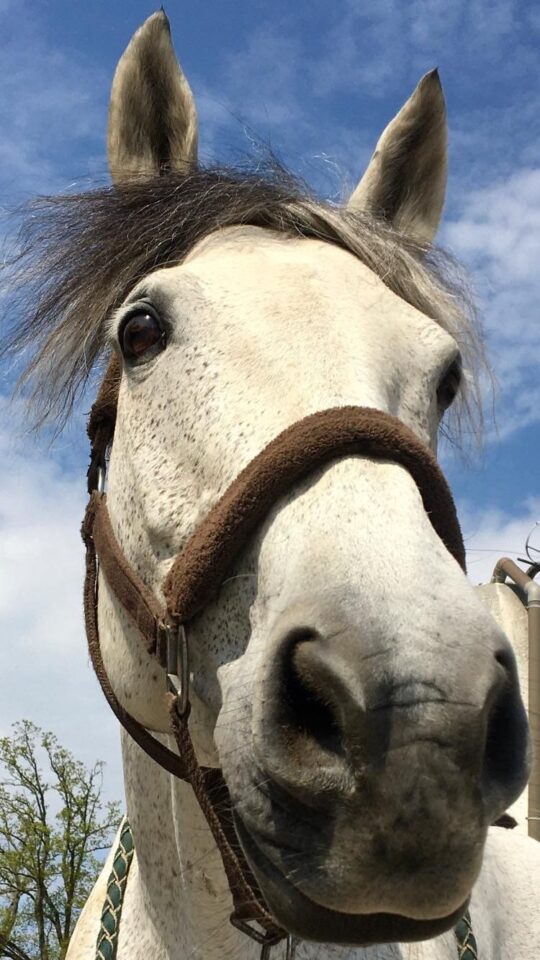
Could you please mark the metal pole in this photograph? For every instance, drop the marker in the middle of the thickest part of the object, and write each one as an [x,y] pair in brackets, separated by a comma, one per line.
[531,590]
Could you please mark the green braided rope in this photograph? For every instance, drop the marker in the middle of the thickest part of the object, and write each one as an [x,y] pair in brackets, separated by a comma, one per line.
[107,941]
[466,942]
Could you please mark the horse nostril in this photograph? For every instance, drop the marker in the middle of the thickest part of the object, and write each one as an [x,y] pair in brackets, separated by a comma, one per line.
[505,756]
[306,710]
[506,659]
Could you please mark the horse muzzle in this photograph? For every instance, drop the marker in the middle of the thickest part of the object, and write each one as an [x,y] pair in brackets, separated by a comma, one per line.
[374,786]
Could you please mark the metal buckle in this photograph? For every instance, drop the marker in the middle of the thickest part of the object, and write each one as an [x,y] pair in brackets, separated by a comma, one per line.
[177,665]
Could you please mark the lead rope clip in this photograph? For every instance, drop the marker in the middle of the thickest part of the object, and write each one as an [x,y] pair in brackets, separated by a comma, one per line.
[292,943]
[267,940]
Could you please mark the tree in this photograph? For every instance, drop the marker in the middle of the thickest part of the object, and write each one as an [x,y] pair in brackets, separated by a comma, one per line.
[53,826]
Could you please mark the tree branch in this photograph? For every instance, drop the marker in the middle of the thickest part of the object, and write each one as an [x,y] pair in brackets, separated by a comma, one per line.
[12,951]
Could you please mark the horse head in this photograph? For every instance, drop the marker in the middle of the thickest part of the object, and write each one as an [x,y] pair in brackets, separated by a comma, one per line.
[361,702]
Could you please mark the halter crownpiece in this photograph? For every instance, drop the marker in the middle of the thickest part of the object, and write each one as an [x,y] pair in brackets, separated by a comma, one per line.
[199,570]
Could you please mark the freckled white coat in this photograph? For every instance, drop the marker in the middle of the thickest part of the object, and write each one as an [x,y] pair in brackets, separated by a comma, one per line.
[264,330]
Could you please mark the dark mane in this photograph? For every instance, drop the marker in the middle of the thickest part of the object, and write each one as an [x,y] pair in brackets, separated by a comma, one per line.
[80,254]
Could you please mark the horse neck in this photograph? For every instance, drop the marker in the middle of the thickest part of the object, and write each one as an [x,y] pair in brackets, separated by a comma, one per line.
[182,893]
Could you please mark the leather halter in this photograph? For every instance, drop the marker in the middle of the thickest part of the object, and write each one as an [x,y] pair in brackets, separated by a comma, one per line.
[199,570]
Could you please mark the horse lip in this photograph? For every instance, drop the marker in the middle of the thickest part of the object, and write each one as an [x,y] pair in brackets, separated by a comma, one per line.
[410,693]
[308,920]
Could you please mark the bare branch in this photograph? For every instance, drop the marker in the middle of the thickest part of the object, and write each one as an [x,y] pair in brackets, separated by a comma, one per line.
[52,823]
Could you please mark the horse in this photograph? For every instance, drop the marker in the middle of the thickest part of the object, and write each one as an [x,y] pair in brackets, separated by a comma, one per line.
[365,711]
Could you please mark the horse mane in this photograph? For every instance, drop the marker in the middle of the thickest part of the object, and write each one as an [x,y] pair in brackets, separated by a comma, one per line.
[80,254]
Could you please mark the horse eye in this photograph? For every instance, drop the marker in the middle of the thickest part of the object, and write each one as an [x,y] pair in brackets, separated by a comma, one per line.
[449,385]
[142,335]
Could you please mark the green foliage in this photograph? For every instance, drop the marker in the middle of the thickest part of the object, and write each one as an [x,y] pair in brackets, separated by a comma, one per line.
[53,826]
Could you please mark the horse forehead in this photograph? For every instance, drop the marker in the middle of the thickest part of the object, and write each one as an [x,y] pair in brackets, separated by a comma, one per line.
[252,261]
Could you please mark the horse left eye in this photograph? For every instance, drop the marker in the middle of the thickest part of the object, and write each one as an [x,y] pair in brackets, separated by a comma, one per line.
[449,385]
[141,335]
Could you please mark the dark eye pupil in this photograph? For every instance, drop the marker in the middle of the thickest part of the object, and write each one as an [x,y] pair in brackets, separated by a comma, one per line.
[449,386]
[141,332]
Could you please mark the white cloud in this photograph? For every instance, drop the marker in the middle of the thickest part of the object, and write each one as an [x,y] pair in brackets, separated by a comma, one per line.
[51,101]
[274,106]
[497,234]
[491,534]
[357,48]
[273,63]
[501,223]
[46,675]
[377,47]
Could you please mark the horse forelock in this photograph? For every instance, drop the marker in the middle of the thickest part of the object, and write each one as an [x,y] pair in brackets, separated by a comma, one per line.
[80,254]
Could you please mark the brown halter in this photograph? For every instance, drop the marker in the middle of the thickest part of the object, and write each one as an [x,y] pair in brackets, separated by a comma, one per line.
[198,572]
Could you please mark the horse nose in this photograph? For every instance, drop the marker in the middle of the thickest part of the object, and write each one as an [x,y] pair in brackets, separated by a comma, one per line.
[334,713]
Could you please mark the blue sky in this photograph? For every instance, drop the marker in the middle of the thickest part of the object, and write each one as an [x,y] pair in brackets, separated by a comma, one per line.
[317,81]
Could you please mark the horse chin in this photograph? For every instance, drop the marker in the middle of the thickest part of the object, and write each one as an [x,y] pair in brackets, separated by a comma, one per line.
[309,920]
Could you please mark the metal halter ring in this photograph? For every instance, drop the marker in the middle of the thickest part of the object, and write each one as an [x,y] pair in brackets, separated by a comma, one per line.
[101,475]
[178,665]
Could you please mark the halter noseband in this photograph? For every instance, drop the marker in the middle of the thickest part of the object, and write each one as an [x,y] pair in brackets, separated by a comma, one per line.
[199,570]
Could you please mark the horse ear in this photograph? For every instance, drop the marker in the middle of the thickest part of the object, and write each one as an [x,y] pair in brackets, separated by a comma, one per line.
[405,180]
[152,116]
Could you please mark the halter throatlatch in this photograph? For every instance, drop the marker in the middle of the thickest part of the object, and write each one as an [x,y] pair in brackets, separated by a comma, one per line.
[199,570]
